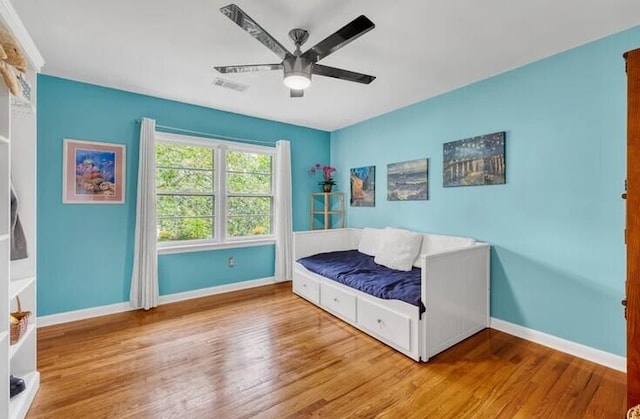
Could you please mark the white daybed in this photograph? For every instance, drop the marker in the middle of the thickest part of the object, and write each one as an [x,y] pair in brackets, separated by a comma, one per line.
[454,291]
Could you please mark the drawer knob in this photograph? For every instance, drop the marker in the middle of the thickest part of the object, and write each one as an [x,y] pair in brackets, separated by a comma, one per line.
[380,323]
[304,285]
[336,300]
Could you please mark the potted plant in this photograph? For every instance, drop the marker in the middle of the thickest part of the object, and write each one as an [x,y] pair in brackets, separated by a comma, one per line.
[327,172]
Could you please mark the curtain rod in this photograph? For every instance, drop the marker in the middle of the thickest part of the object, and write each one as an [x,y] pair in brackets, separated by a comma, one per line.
[208,134]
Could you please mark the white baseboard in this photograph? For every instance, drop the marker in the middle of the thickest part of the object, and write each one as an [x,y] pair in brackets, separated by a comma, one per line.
[607,359]
[71,316]
[219,289]
[87,313]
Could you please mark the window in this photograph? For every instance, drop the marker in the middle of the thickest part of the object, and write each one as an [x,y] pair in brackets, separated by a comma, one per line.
[249,196]
[212,192]
[185,199]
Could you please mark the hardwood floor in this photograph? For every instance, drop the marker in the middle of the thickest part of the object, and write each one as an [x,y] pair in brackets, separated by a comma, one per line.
[267,353]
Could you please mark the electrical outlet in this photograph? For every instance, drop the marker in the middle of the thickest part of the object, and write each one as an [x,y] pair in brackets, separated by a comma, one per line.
[232,262]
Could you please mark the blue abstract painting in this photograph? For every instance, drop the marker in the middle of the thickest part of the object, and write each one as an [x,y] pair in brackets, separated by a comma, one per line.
[408,181]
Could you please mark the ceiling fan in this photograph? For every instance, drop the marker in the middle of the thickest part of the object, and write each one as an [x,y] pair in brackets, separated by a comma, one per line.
[298,66]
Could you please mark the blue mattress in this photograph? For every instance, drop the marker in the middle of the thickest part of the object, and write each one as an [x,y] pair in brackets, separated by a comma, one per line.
[359,271]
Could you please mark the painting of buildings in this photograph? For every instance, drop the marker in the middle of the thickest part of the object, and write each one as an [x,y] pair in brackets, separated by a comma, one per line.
[363,186]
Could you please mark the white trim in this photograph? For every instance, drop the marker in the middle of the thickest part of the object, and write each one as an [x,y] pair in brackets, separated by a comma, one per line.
[88,313]
[598,356]
[12,21]
[213,142]
[175,139]
[187,246]
[218,289]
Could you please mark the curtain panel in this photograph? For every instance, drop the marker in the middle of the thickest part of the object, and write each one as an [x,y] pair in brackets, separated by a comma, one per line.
[144,278]
[283,224]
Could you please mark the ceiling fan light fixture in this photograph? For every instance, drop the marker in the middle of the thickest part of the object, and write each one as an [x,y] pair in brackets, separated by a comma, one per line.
[297,81]
[297,72]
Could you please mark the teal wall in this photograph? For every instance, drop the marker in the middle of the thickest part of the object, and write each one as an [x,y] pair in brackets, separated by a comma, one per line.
[558,257]
[556,227]
[85,251]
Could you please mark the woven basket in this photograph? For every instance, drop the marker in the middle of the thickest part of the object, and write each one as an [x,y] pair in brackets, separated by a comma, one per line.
[19,323]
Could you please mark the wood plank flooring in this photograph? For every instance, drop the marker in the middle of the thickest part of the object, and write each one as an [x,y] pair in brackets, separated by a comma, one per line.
[267,353]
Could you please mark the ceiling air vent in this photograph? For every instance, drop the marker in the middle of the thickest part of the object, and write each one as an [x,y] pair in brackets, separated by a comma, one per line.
[228,84]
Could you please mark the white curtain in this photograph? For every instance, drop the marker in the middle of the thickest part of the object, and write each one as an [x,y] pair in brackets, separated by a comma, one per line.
[144,278]
[283,224]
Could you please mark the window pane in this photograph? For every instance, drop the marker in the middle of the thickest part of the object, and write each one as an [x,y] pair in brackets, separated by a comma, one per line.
[248,226]
[180,180]
[248,183]
[185,185]
[185,206]
[240,206]
[185,228]
[238,161]
[170,155]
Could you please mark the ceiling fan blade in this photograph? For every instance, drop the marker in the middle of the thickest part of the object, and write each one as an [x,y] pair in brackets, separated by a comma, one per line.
[350,32]
[338,73]
[247,68]
[296,93]
[243,20]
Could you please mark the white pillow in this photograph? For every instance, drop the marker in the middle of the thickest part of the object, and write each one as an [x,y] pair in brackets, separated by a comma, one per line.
[435,243]
[399,249]
[370,241]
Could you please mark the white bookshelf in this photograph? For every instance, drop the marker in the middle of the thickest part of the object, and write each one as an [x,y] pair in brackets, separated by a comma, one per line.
[19,405]
[17,286]
[18,278]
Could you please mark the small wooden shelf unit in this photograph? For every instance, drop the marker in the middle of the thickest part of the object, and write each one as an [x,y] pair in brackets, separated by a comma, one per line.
[327,210]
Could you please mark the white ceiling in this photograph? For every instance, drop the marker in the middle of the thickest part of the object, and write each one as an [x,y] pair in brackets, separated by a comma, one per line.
[419,48]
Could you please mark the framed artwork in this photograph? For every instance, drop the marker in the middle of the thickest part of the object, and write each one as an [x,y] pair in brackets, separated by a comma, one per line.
[363,187]
[408,181]
[474,161]
[93,172]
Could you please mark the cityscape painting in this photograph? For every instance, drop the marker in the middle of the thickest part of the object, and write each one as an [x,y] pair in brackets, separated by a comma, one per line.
[363,186]
[475,161]
[408,181]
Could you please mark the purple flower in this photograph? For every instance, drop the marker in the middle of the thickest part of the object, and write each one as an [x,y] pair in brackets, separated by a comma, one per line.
[327,172]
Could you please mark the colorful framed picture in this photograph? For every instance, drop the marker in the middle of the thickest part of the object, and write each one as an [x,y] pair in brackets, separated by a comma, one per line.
[408,181]
[475,161]
[363,187]
[93,172]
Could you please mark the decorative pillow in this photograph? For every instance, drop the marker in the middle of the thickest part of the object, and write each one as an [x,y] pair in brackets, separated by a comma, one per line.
[399,249]
[370,241]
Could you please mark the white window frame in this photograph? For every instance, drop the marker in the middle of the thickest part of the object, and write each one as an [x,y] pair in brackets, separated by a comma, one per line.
[220,239]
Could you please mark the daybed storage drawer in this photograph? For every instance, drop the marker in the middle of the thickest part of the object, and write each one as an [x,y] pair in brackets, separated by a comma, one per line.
[338,301]
[307,287]
[385,323]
